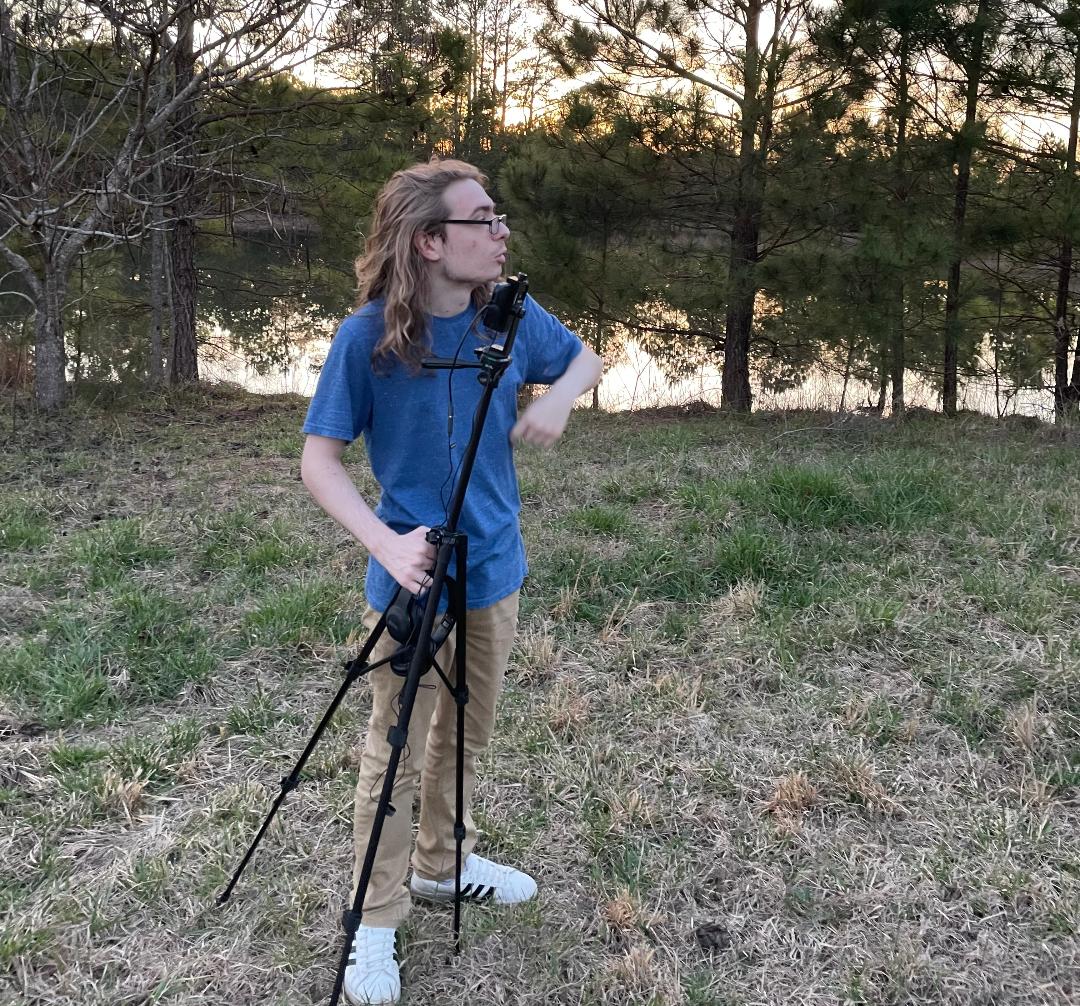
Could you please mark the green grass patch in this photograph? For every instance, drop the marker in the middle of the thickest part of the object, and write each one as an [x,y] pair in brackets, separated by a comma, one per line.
[286,443]
[972,714]
[749,553]
[23,528]
[600,519]
[257,716]
[315,611]
[64,758]
[21,939]
[112,550]
[632,487]
[112,780]
[241,540]
[157,759]
[88,662]
[805,496]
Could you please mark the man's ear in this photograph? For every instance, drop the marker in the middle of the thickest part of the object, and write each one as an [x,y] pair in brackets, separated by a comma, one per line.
[428,245]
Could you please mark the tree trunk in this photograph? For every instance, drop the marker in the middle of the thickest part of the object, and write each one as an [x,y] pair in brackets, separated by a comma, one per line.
[155,370]
[997,339]
[505,73]
[1074,384]
[77,335]
[1062,338]
[742,285]
[897,362]
[963,182]
[184,358]
[896,356]
[847,372]
[1063,393]
[50,363]
[156,363]
[601,319]
[598,348]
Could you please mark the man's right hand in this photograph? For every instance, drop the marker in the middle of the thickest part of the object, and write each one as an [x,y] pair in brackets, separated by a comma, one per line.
[408,558]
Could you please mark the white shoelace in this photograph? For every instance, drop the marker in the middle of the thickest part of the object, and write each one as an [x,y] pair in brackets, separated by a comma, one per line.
[373,948]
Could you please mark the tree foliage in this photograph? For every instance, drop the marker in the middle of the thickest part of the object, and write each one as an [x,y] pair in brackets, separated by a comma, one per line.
[862,187]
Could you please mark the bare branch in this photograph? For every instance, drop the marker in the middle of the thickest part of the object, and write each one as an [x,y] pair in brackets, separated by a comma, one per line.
[22,267]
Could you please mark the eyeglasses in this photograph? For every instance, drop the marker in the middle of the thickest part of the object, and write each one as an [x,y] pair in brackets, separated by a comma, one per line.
[493,225]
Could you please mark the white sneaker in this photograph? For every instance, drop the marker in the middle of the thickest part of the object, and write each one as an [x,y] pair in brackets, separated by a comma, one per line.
[372,974]
[481,880]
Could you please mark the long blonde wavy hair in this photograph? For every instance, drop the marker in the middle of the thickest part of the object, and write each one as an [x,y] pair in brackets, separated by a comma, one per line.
[391,267]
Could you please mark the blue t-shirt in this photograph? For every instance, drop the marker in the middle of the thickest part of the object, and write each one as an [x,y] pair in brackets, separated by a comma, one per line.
[404,419]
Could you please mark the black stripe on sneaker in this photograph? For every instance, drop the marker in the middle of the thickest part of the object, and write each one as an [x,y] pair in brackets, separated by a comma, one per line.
[465,890]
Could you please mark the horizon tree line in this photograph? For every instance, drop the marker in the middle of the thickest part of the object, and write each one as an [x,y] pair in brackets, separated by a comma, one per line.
[770,185]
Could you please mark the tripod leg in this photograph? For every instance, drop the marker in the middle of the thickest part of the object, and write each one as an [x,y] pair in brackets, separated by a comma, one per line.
[351,919]
[461,696]
[353,670]
[397,737]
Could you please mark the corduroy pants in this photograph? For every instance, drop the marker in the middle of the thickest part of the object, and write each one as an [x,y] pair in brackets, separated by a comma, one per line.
[429,756]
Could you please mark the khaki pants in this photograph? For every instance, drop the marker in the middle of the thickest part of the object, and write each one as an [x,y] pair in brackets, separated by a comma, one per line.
[429,755]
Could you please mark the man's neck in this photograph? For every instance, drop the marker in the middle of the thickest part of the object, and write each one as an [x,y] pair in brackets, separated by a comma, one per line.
[447,299]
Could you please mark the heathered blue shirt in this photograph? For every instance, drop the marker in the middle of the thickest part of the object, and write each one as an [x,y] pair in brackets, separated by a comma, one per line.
[403,419]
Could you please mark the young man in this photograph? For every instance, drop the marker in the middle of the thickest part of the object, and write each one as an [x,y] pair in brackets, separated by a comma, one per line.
[435,251]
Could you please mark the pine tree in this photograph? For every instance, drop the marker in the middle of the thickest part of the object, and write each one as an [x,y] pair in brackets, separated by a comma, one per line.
[743,53]
[584,191]
[972,50]
[888,39]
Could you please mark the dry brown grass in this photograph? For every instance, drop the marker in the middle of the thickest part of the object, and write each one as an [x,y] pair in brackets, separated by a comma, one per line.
[792,796]
[741,794]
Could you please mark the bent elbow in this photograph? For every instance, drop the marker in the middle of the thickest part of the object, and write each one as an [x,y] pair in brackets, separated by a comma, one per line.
[312,466]
[306,466]
[320,458]
[597,368]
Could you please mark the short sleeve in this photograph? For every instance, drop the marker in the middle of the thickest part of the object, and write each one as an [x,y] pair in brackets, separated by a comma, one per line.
[341,405]
[551,345]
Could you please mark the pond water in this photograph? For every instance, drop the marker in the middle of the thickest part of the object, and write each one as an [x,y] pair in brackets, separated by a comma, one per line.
[638,383]
[275,296]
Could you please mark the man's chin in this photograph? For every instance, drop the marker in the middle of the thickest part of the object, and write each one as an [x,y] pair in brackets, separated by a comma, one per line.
[474,282]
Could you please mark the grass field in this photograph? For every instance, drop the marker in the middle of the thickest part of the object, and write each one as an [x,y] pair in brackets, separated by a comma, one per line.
[793,717]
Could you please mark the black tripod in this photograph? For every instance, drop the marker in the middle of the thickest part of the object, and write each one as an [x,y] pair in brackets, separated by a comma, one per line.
[413,625]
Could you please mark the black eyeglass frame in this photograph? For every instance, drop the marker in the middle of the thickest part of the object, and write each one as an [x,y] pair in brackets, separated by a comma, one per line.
[492,224]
